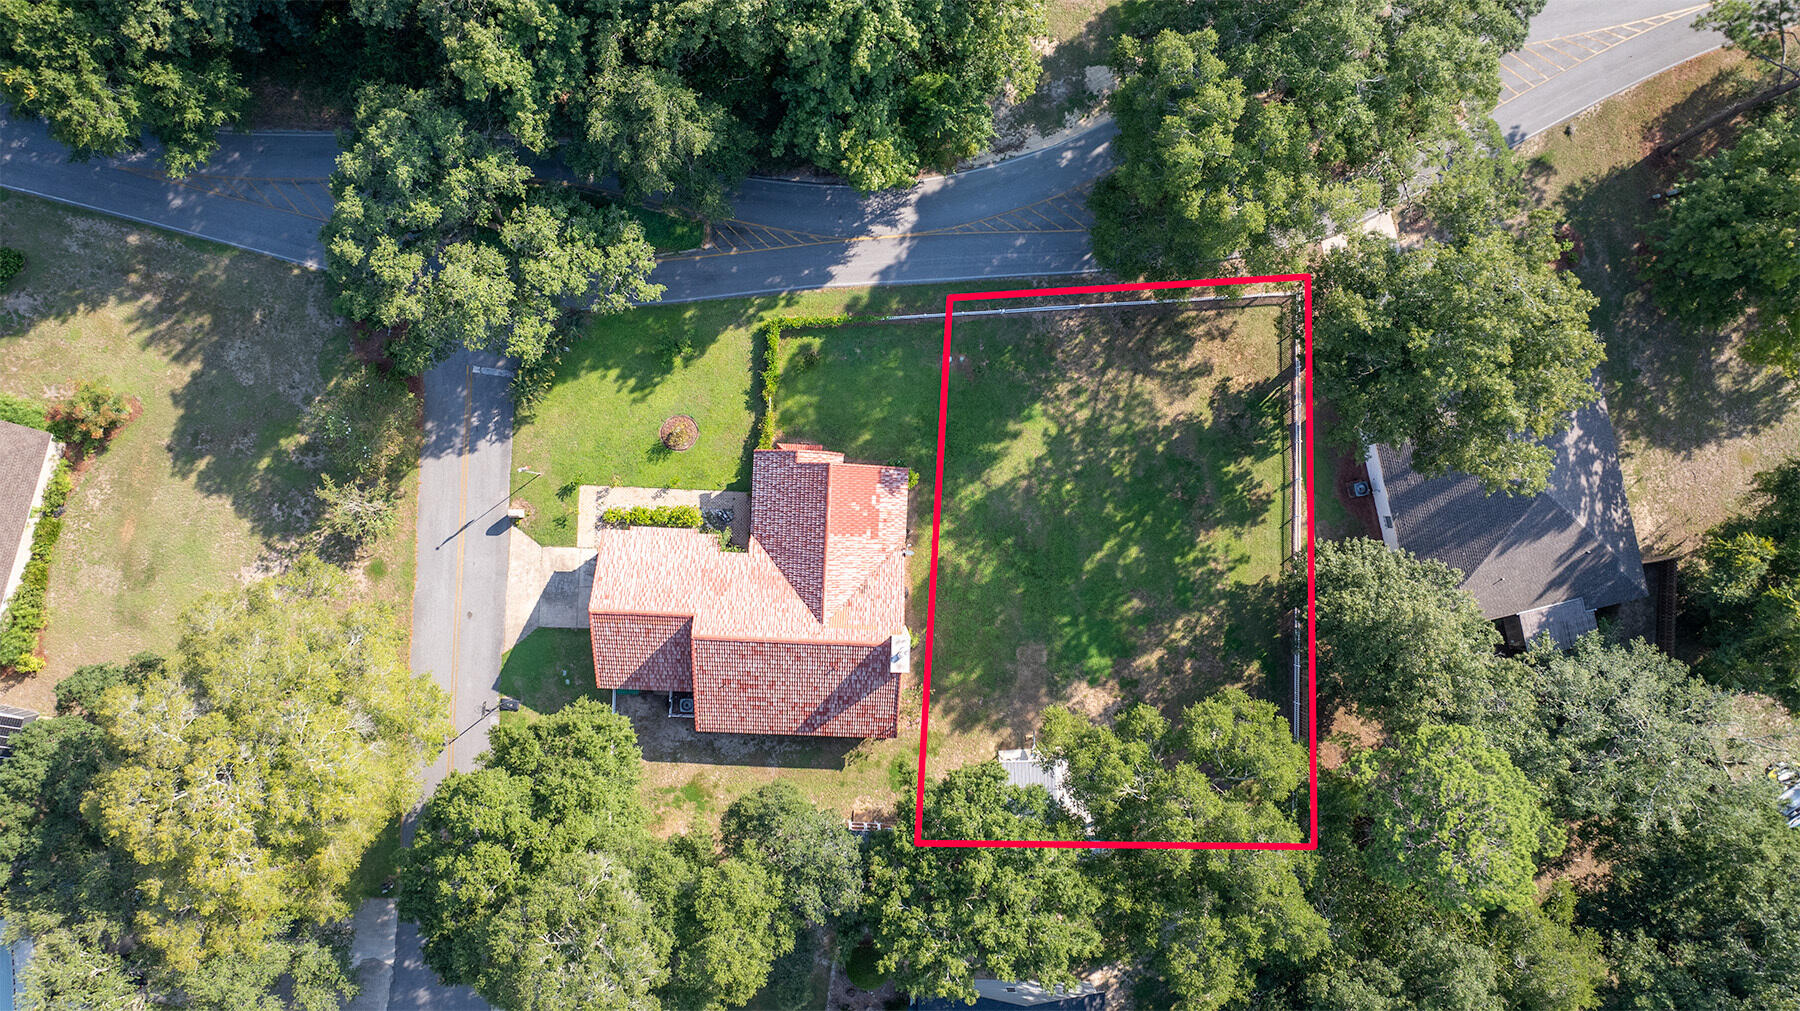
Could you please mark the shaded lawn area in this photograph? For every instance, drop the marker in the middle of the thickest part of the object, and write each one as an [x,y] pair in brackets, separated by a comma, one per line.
[1112,514]
[213,484]
[1695,422]
[624,377]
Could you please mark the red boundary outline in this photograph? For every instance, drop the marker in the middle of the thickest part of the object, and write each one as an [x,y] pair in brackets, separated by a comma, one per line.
[950,301]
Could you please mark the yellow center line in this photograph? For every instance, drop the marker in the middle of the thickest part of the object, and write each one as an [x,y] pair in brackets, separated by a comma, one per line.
[462,510]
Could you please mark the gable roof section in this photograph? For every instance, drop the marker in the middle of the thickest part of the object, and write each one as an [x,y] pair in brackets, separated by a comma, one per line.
[826,524]
[767,687]
[1519,553]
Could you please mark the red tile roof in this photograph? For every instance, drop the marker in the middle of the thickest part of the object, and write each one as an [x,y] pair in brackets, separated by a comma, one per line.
[788,637]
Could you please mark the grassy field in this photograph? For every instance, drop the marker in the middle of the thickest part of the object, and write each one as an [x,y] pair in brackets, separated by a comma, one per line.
[212,484]
[1112,499]
[630,372]
[1695,422]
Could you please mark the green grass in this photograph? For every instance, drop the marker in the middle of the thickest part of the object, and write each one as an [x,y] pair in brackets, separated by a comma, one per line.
[622,380]
[1112,506]
[547,670]
[861,968]
[1695,422]
[224,350]
[378,864]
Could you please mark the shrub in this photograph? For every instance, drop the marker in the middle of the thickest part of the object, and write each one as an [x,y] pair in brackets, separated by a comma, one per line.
[27,612]
[11,262]
[354,512]
[90,417]
[361,427]
[687,517]
[21,411]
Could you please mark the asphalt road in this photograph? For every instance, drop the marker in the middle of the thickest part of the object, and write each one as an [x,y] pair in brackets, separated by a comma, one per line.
[267,193]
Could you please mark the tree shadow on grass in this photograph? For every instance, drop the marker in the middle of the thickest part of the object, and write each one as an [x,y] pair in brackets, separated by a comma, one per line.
[1673,385]
[1108,551]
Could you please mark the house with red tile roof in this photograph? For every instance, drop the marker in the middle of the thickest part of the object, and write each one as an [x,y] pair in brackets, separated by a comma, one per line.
[804,632]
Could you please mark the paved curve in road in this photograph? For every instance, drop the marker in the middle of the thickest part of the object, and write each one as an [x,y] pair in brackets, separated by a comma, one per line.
[266,193]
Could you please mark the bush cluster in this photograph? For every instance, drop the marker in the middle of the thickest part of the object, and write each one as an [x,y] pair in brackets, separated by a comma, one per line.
[26,615]
[88,417]
[11,262]
[684,516]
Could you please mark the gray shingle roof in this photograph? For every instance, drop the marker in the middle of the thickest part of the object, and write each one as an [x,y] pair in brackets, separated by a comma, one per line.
[1517,553]
[21,462]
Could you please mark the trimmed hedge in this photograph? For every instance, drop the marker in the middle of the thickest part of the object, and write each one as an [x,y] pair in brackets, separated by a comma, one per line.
[28,610]
[11,262]
[770,374]
[687,517]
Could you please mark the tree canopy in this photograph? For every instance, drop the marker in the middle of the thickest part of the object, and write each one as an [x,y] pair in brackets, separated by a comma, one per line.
[188,830]
[940,913]
[1730,241]
[1254,129]
[1747,584]
[1453,817]
[438,236]
[1399,641]
[1474,353]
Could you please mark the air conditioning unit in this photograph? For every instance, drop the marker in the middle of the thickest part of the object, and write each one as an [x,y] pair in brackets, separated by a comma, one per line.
[900,653]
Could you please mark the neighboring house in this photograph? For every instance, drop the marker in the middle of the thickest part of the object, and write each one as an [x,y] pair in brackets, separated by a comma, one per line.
[1543,563]
[802,633]
[27,460]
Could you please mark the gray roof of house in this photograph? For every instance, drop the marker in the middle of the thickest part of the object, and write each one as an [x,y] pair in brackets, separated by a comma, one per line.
[1516,553]
[21,462]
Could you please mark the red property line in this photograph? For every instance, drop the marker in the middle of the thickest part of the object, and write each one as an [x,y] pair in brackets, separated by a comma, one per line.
[937,509]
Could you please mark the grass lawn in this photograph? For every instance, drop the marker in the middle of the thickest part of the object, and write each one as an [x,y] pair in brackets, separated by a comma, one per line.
[1112,514]
[1695,422]
[212,485]
[623,379]
[549,669]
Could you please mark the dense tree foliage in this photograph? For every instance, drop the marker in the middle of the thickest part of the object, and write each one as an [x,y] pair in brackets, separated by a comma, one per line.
[101,75]
[437,235]
[815,862]
[1747,585]
[535,880]
[1252,129]
[1398,641]
[1705,917]
[1453,817]
[1618,737]
[1473,353]
[673,100]
[1199,926]
[186,831]
[1730,241]
[940,913]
